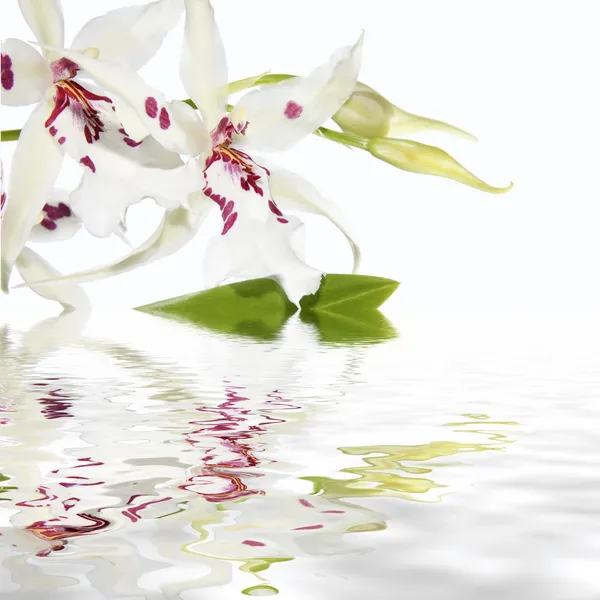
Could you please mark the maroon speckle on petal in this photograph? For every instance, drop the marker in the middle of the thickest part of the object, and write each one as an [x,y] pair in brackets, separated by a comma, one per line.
[62,140]
[229,223]
[131,143]
[333,512]
[5,62]
[48,224]
[282,220]
[86,161]
[227,210]
[274,209]
[151,107]
[165,120]
[253,543]
[305,503]
[6,75]
[308,528]
[53,131]
[8,79]
[292,110]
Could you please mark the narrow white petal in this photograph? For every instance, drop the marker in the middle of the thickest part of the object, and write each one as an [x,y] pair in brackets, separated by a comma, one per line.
[293,192]
[281,115]
[45,18]
[130,36]
[36,164]
[33,267]
[203,64]
[25,73]
[177,228]
[169,123]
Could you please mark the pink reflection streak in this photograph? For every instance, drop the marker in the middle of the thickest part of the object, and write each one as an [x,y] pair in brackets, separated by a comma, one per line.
[229,446]
[132,513]
[56,404]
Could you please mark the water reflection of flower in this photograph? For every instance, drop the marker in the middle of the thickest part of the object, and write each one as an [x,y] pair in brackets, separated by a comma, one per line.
[181,485]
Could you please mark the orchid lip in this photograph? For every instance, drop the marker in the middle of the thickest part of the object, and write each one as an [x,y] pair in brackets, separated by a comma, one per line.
[72,96]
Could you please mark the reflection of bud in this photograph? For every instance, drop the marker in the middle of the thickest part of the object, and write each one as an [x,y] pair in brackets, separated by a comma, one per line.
[427,160]
[368,114]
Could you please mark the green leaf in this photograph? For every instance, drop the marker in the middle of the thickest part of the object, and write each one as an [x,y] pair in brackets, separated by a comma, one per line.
[366,327]
[349,293]
[256,308]
[343,309]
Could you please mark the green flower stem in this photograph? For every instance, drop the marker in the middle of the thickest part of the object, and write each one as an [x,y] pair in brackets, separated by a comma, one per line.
[346,139]
[10,135]
[267,79]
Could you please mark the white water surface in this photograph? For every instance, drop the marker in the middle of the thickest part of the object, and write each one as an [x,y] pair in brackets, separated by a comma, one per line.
[148,459]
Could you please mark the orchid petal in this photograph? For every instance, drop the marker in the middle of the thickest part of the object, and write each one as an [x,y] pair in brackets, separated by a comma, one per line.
[59,222]
[25,74]
[280,115]
[176,229]
[130,36]
[117,183]
[203,66]
[293,192]
[33,267]
[261,249]
[45,19]
[168,122]
[257,238]
[427,160]
[2,194]
[36,163]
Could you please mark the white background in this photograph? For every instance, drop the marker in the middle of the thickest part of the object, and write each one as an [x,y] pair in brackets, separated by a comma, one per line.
[520,75]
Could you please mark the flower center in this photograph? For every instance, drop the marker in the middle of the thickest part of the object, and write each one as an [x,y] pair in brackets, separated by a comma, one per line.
[222,135]
[229,168]
[63,69]
[81,103]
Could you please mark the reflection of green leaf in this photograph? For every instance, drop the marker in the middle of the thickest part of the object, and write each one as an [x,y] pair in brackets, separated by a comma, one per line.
[343,293]
[386,474]
[5,488]
[257,308]
[367,327]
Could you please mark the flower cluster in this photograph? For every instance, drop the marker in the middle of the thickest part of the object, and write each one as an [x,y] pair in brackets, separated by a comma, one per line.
[191,156]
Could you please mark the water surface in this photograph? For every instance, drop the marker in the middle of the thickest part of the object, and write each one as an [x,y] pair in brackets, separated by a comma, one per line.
[142,458]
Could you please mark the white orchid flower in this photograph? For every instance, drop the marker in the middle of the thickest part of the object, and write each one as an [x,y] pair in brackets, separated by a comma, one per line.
[73,117]
[257,238]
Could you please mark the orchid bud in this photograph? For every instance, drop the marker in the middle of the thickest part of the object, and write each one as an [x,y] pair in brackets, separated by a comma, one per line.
[368,114]
[427,160]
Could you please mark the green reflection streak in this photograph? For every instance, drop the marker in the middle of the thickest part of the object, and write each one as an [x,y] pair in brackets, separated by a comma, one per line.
[249,591]
[257,565]
[6,488]
[380,477]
